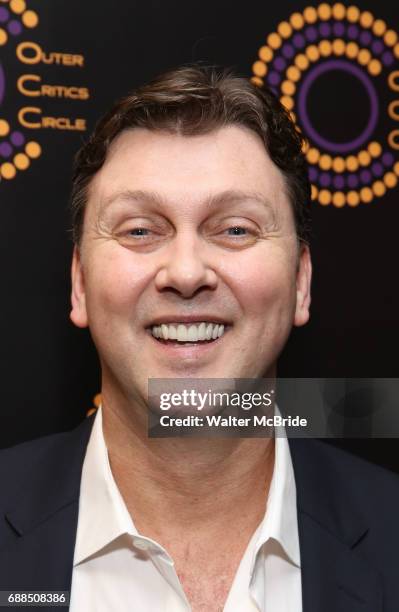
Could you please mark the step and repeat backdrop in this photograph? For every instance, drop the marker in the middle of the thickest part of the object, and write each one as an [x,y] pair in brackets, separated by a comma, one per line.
[335,66]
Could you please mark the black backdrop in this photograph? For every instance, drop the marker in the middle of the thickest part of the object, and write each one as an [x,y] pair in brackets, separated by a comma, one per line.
[96,51]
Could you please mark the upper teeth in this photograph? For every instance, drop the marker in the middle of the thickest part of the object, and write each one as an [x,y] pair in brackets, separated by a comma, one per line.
[188,333]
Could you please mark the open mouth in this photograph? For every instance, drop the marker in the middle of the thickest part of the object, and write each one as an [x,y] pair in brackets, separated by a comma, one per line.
[203,332]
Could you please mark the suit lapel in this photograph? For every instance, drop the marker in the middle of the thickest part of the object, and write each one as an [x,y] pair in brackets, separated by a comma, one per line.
[39,532]
[335,577]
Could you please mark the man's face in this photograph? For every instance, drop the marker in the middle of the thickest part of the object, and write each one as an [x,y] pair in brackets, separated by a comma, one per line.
[180,231]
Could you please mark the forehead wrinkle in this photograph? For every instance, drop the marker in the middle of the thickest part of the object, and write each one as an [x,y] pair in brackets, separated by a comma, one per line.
[230,196]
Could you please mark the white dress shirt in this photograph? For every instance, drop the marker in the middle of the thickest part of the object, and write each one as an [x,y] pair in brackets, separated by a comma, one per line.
[116,568]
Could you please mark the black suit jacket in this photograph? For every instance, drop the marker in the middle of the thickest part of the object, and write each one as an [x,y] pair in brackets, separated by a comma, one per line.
[348,518]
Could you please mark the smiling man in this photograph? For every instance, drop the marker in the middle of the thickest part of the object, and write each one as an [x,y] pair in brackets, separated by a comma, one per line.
[190,219]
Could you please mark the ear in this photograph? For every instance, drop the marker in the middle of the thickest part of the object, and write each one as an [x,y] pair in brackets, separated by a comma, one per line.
[78,313]
[303,282]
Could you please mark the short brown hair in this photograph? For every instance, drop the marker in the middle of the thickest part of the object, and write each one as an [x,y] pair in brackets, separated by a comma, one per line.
[195,100]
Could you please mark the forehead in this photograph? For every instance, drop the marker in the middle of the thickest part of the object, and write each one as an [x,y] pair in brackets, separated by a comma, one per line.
[188,168]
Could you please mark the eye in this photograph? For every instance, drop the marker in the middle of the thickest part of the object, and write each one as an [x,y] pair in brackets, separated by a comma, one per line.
[138,232]
[237,230]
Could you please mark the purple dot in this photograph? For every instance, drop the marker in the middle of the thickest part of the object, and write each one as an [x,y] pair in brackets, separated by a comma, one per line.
[17,139]
[14,27]
[339,29]
[387,58]
[5,149]
[339,182]
[325,179]
[4,14]
[365,38]
[288,50]
[311,33]
[387,159]
[325,29]
[274,78]
[377,47]
[298,41]
[353,181]
[353,32]
[279,64]
[377,169]
[313,174]
[365,176]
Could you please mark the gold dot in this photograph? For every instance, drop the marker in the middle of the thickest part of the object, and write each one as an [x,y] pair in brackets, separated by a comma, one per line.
[3,37]
[315,192]
[4,127]
[352,163]
[396,50]
[352,49]
[296,20]
[352,197]
[374,67]
[338,46]
[364,158]
[324,197]
[325,162]
[287,101]
[293,119]
[313,156]
[313,53]
[390,180]
[338,11]
[7,170]
[302,61]
[338,164]
[396,168]
[352,13]
[379,27]
[274,40]
[30,19]
[364,57]
[310,14]
[339,199]
[293,73]
[366,19]
[325,48]
[284,29]
[257,81]
[324,11]
[265,54]
[21,161]
[288,88]
[33,149]
[374,149]
[366,195]
[379,188]
[390,38]
[259,68]
[17,6]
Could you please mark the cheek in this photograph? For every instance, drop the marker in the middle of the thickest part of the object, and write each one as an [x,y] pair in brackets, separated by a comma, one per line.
[115,283]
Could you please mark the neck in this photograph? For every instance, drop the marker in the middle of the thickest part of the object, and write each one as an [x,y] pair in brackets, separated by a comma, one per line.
[201,485]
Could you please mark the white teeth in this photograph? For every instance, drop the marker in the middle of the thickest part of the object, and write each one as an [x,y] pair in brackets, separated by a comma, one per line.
[193,332]
[181,333]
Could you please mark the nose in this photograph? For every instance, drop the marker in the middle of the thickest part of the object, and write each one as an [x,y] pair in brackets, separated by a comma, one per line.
[186,268]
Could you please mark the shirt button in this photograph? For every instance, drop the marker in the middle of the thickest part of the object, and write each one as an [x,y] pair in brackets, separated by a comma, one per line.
[142,544]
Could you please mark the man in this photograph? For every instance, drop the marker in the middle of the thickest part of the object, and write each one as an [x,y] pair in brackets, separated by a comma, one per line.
[190,207]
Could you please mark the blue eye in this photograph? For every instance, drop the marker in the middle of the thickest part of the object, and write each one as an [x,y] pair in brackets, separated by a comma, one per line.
[237,231]
[138,231]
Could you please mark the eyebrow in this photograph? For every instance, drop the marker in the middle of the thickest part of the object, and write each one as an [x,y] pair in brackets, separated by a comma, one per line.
[229,196]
